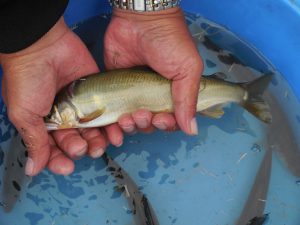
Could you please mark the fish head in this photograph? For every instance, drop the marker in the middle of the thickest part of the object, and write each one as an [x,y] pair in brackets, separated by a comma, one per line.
[62,115]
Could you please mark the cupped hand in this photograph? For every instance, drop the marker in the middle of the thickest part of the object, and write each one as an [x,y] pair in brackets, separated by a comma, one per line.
[162,41]
[31,79]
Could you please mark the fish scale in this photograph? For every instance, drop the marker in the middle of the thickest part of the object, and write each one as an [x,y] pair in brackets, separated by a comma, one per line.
[100,99]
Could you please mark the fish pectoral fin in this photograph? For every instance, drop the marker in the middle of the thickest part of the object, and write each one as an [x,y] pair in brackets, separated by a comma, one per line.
[214,112]
[91,116]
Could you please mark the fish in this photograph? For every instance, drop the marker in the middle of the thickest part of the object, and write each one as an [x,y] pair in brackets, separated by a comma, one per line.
[259,220]
[14,173]
[100,99]
[253,211]
[139,204]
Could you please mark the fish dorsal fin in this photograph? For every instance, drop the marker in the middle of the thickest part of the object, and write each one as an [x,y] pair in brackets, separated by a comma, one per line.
[219,76]
[91,116]
[214,112]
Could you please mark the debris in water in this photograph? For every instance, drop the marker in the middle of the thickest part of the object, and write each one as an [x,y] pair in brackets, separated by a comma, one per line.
[16,185]
[256,148]
[242,157]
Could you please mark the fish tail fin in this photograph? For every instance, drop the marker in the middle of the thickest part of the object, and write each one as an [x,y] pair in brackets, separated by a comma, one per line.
[255,103]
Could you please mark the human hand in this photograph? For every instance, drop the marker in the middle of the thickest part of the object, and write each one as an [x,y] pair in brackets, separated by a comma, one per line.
[162,41]
[31,79]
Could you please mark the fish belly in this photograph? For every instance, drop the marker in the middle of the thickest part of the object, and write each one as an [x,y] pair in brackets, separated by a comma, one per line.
[155,98]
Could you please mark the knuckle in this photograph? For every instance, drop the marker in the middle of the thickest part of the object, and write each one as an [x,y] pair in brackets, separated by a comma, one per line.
[194,66]
[191,68]
[14,115]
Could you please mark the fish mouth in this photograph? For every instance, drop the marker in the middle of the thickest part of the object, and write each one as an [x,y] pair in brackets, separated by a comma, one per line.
[51,126]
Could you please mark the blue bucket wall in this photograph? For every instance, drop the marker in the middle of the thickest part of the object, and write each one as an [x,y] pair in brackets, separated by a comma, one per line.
[270,26]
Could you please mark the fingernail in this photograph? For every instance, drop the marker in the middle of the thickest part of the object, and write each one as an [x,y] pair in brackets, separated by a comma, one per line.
[119,142]
[29,167]
[97,153]
[128,129]
[81,152]
[160,125]
[194,126]
[142,123]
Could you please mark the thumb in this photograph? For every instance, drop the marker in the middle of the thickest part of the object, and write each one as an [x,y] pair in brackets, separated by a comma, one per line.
[185,91]
[32,129]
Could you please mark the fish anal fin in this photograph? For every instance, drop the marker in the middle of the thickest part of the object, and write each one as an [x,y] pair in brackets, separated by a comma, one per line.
[91,116]
[213,112]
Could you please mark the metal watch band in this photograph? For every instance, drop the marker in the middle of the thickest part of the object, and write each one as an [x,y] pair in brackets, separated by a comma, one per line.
[144,5]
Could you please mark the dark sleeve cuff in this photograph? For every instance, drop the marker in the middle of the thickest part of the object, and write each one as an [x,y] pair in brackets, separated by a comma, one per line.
[23,22]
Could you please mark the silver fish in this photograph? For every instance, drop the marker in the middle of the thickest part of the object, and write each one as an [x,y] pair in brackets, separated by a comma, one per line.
[142,210]
[14,173]
[100,99]
[253,212]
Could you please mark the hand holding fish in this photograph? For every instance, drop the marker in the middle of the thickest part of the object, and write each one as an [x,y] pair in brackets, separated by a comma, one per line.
[31,79]
[162,41]
[34,75]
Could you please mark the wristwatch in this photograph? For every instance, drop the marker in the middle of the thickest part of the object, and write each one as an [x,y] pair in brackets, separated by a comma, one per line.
[144,5]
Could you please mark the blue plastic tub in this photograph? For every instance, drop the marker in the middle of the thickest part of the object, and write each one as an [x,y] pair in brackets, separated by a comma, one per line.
[270,26]
[198,180]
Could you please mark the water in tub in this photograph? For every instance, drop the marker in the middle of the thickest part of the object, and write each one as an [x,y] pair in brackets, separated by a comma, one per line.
[235,171]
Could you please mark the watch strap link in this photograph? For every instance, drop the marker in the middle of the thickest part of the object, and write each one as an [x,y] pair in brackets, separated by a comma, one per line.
[144,5]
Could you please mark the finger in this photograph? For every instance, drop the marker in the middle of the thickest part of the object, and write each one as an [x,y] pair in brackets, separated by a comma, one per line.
[59,163]
[164,121]
[142,118]
[71,142]
[114,134]
[34,134]
[185,93]
[127,124]
[96,141]
[147,130]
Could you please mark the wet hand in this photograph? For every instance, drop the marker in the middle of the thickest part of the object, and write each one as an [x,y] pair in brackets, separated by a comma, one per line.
[162,41]
[31,79]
